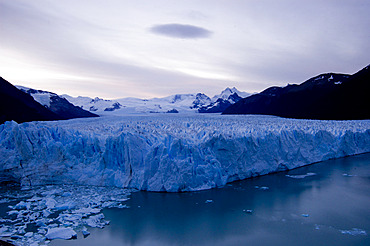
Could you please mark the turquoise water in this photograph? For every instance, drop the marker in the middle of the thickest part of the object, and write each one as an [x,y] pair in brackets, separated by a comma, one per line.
[321,209]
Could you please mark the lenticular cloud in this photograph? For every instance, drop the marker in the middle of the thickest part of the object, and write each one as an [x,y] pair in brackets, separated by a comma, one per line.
[181,31]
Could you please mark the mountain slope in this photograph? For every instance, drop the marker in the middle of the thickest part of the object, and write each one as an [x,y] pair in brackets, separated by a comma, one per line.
[59,105]
[19,106]
[24,104]
[327,97]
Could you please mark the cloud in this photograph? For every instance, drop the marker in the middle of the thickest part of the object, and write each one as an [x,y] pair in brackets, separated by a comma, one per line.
[181,31]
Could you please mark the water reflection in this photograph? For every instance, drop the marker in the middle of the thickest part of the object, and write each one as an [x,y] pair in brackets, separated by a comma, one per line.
[308,211]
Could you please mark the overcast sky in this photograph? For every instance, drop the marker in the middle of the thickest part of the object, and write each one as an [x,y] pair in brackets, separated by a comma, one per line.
[155,48]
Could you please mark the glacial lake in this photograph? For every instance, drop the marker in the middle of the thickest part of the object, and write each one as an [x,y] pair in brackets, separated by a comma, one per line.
[329,205]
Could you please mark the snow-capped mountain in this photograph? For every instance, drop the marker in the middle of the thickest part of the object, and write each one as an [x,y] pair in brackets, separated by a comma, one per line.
[225,94]
[179,103]
[224,100]
[73,107]
[92,104]
[19,106]
[58,105]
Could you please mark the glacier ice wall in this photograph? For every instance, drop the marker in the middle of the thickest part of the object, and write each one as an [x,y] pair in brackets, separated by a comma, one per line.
[170,153]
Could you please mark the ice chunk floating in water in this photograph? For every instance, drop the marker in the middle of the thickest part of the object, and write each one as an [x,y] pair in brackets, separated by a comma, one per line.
[354,232]
[170,152]
[61,233]
[302,176]
[49,222]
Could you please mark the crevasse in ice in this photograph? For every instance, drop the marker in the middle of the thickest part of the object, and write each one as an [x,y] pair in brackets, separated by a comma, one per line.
[170,152]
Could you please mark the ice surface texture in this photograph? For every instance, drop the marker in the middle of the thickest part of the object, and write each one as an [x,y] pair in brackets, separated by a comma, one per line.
[170,152]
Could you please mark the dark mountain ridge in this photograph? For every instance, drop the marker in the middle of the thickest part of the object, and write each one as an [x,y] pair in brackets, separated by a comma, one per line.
[327,96]
[60,106]
[21,107]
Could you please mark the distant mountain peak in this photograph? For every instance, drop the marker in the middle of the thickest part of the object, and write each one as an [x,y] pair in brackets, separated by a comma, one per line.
[98,99]
[227,92]
[220,102]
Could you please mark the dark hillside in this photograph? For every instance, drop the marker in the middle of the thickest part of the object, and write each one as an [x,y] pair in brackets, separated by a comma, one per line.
[19,106]
[326,97]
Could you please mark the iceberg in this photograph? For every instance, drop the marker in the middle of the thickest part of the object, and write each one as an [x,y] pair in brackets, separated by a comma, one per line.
[248,211]
[262,187]
[96,221]
[354,232]
[172,153]
[61,233]
[85,232]
[301,176]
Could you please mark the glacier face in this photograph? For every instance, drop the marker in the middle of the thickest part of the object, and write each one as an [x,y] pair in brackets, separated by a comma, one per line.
[170,152]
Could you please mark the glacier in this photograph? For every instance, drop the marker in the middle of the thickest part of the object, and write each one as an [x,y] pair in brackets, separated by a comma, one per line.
[170,153]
